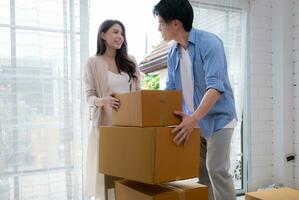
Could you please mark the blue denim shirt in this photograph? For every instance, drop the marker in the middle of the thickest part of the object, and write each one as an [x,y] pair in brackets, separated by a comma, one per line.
[209,70]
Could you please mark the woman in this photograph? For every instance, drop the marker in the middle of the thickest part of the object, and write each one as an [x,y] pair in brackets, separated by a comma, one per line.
[110,71]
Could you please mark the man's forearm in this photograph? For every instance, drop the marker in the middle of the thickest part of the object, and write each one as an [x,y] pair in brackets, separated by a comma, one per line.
[207,102]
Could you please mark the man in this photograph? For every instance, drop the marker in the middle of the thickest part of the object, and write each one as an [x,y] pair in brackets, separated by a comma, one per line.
[197,66]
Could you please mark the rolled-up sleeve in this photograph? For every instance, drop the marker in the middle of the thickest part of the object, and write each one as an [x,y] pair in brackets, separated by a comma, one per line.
[214,65]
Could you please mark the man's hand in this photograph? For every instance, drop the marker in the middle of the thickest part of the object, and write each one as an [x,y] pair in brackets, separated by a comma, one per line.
[183,130]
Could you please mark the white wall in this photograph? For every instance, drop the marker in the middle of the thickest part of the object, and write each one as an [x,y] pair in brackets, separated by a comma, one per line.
[261,89]
[274,29]
[283,101]
[295,36]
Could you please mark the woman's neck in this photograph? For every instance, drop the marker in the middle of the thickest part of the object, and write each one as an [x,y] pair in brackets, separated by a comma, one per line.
[109,57]
[110,54]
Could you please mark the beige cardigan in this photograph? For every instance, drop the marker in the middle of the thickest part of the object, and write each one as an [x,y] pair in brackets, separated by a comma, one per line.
[96,86]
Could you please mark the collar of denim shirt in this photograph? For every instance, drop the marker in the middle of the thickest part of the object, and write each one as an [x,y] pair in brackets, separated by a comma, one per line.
[191,40]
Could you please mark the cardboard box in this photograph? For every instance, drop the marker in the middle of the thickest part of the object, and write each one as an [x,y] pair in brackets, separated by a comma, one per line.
[147,155]
[273,194]
[148,108]
[181,190]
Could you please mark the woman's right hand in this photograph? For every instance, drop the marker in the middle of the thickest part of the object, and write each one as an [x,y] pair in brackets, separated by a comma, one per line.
[109,101]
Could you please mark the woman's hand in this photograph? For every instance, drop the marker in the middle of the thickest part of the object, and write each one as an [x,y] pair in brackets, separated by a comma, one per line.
[109,101]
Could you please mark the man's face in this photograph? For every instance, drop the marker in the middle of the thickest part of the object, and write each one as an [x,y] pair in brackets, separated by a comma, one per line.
[167,29]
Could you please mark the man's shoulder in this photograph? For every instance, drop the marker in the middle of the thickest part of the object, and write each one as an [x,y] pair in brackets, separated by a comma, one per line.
[206,37]
[207,41]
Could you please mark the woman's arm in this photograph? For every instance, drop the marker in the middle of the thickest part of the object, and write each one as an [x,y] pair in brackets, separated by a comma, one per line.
[90,90]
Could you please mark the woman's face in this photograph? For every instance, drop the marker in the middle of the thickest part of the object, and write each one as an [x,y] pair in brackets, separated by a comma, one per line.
[113,37]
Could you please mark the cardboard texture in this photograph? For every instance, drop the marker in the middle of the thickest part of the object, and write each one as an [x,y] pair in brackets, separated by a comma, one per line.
[147,108]
[273,194]
[147,155]
[180,190]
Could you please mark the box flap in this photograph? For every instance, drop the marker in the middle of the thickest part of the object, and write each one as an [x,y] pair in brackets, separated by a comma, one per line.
[129,190]
[192,190]
[186,190]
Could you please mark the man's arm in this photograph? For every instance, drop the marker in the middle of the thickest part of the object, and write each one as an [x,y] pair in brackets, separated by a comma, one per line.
[182,132]
[214,63]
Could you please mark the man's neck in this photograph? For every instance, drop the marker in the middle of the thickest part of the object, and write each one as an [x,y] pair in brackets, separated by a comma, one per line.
[182,39]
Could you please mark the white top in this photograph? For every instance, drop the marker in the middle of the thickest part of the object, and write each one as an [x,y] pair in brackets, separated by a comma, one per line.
[186,78]
[232,124]
[118,83]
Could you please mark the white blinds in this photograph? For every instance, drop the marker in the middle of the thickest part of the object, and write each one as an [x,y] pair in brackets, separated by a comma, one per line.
[40,99]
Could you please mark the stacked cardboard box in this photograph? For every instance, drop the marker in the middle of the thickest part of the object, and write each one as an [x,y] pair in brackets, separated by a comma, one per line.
[148,108]
[139,147]
[273,194]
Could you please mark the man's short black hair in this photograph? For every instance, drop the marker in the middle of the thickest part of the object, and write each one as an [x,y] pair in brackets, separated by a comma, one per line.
[175,9]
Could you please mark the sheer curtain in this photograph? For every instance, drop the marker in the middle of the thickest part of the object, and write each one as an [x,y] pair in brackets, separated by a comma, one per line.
[227,19]
[40,100]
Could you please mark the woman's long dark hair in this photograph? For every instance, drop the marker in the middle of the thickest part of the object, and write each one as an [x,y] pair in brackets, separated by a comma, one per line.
[123,62]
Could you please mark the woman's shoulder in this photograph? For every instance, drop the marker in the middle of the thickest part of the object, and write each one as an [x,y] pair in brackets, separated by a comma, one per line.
[95,60]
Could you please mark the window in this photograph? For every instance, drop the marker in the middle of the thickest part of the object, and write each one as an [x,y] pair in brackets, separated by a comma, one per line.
[40,99]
